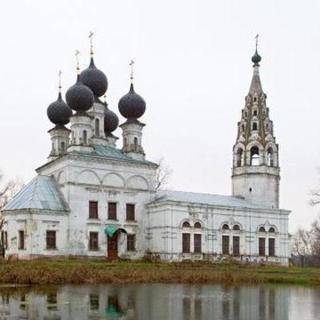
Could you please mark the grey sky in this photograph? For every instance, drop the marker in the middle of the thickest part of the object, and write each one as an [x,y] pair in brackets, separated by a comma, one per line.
[193,68]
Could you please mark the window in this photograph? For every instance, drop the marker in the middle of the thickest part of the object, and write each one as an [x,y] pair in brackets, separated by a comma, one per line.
[112,210]
[135,141]
[197,225]
[93,241]
[271,247]
[262,229]
[236,227]
[255,112]
[94,302]
[197,243]
[242,128]
[254,156]
[272,230]
[4,239]
[130,212]
[131,239]
[225,227]
[63,146]
[21,240]
[93,209]
[270,157]
[97,128]
[186,224]
[51,239]
[236,246]
[239,157]
[225,244]
[85,137]
[254,126]
[186,242]
[262,246]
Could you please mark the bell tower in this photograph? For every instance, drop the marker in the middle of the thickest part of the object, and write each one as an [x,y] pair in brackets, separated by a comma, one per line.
[256,172]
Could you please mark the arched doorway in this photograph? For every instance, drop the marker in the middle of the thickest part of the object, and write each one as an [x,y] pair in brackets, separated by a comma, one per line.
[113,233]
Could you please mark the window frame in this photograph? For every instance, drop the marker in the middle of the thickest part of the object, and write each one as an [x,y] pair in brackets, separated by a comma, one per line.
[131,242]
[130,215]
[186,242]
[197,243]
[112,215]
[93,242]
[272,253]
[236,248]
[93,209]
[262,246]
[225,245]
[53,238]
[21,242]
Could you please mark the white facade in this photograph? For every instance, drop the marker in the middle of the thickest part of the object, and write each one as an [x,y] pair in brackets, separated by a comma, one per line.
[95,200]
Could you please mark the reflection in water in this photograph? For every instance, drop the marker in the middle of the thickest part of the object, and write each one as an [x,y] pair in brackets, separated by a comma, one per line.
[160,301]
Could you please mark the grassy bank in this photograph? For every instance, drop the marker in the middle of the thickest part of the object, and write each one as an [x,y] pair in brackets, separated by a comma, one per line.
[82,271]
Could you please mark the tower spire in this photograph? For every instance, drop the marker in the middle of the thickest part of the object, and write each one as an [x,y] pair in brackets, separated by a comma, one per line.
[255,86]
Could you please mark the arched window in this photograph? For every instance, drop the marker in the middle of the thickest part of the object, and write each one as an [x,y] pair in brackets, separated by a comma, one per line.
[197,225]
[255,112]
[225,227]
[135,141]
[254,126]
[236,227]
[239,157]
[85,137]
[254,156]
[186,224]
[262,229]
[270,157]
[63,146]
[271,230]
[97,128]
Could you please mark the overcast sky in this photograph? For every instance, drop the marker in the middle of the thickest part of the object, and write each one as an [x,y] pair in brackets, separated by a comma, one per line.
[193,68]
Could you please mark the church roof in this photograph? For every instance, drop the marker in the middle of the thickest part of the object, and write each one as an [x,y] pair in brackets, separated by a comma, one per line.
[111,153]
[203,198]
[41,193]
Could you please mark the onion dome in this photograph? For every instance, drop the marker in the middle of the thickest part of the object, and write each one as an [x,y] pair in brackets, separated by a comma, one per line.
[132,105]
[256,58]
[95,79]
[79,97]
[59,112]
[111,121]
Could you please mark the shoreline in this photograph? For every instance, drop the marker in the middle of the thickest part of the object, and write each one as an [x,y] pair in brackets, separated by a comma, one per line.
[68,271]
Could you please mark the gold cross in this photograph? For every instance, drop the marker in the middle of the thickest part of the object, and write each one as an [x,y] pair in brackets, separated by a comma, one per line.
[60,73]
[77,52]
[91,42]
[131,69]
[257,39]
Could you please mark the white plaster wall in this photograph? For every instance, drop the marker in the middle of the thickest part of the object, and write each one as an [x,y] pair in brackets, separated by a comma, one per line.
[165,230]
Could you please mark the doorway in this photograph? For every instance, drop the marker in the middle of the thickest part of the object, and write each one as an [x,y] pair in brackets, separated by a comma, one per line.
[113,246]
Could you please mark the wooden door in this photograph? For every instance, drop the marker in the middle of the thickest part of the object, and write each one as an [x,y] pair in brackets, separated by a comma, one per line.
[113,246]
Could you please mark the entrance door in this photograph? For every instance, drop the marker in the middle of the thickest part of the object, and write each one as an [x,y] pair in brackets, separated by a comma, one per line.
[113,246]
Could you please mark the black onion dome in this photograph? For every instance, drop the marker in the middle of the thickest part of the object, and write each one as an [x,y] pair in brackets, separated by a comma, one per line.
[111,121]
[79,97]
[132,105]
[59,112]
[256,58]
[95,79]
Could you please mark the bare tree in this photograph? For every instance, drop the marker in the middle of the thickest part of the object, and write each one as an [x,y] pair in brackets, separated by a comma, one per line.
[163,175]
[301,243]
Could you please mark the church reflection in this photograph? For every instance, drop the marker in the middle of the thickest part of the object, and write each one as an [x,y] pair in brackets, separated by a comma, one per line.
[149,302]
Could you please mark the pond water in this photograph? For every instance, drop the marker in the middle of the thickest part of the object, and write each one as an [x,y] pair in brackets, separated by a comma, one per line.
[160,301]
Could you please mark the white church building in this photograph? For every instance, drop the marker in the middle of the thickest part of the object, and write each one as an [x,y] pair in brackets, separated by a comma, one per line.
[94,199]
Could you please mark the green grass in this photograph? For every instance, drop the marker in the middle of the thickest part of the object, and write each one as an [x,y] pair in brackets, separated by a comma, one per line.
[96,271]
